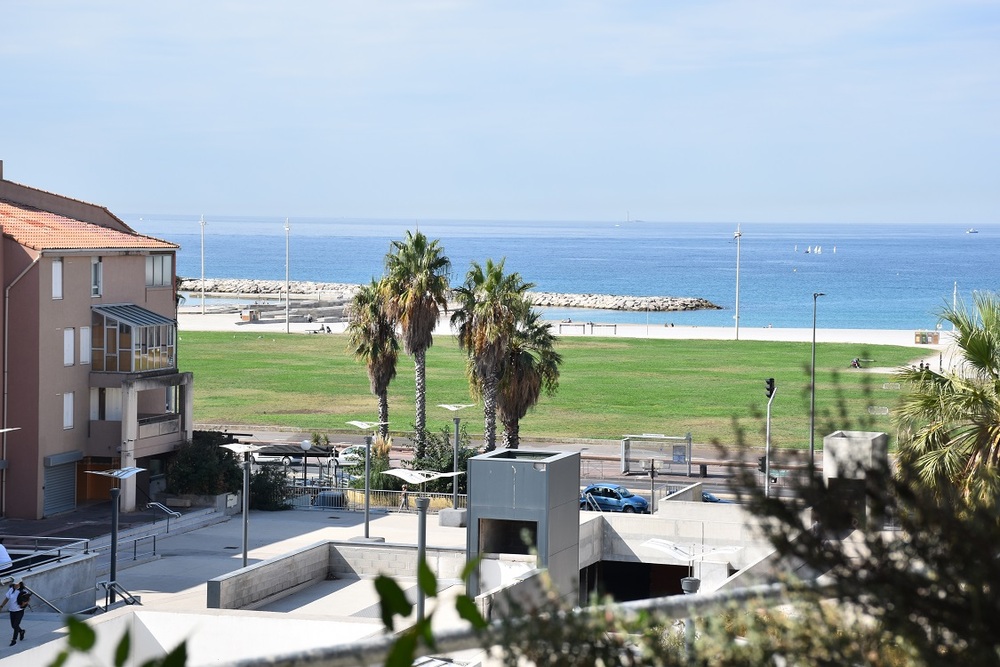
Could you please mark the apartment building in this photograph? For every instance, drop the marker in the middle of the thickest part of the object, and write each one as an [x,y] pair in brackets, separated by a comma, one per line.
[88,354]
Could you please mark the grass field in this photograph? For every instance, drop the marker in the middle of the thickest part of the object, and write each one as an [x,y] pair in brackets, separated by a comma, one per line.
[609,387]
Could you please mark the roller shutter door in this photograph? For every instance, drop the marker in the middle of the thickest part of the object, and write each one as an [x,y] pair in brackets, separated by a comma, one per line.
[60,488]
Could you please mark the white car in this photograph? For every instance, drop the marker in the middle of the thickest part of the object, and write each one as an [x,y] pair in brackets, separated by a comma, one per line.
[351,455]
[283,459]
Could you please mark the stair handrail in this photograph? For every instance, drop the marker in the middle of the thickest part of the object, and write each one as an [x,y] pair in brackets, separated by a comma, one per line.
[164,508]
[112,587]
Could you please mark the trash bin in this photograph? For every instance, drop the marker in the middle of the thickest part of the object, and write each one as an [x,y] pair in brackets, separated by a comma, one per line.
[916,337]
[935,338]
[703,468]
[331,499]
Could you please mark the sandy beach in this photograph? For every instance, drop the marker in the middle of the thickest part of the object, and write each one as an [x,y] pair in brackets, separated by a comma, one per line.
[191,319]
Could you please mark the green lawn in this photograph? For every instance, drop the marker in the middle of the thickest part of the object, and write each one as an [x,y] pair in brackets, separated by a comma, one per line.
[609,387]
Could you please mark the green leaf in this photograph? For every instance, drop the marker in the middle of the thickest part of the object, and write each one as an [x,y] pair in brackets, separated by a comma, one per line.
[123,649]
[402,651]
[177,657]
[470,567]
[81,636]
[426,579]
[423,630]
[392,599]
[60,659]
[467,610]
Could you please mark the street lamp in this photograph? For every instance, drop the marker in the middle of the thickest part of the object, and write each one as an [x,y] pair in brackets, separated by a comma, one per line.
[120,474]
[738,235]
[246,450]
[305,445]
[202,265]
[812,395]
[365,426]
[454,467]
[287,293]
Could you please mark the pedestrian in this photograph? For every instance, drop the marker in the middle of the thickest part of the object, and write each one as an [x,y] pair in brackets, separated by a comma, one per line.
[404,500]
[16,600]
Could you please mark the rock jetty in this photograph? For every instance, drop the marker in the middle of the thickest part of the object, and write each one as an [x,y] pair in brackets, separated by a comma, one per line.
[344,292]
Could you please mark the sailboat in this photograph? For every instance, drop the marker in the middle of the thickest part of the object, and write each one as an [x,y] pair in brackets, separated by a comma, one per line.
[971,230]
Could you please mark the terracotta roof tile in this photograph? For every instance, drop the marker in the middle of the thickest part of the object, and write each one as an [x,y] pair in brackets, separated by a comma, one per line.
[41,230]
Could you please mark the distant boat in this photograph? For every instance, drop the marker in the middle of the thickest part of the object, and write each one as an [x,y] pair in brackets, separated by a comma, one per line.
[971,230]
[809,249]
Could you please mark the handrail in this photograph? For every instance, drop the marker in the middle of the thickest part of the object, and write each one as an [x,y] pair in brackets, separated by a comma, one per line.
[52,606]
[591,503]
[164,508]
[112,587]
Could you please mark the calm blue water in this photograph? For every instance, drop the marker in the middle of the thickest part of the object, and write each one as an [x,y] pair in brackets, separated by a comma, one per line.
[874,276]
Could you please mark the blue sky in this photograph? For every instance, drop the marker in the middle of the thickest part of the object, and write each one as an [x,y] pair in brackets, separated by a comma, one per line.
[790,111]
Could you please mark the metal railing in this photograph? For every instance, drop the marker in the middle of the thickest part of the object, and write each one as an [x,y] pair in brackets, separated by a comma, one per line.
[112,588]
[315,496]
[35,550]
[163,508]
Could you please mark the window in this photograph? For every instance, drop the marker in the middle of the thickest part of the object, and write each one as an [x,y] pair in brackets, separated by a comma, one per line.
[96,276]
[69,341]
[159,271]
[85,345]
[57,278]
[68,410]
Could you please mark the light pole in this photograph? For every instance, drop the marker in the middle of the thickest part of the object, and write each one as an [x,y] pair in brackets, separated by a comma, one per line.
[202,265]
[305,445]
[246,450]
[287,293]
[368,463]
[454,467]
[120,474]
[812,395]
[738,235]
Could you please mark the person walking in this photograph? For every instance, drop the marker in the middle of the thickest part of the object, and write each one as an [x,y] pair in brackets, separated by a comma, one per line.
[16,599]
[404,500]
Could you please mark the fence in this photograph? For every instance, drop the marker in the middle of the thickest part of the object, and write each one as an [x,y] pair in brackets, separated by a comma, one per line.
[320,497]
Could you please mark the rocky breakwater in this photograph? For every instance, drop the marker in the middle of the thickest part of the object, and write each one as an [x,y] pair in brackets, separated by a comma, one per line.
[341,292]
[612,302]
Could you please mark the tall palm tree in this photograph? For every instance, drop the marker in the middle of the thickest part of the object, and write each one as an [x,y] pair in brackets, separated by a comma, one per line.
[371,336]
[488,305]
[416,291]
[531,366]
[950,421]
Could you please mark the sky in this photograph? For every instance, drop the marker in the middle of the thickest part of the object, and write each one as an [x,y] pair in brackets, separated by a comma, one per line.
[717,110]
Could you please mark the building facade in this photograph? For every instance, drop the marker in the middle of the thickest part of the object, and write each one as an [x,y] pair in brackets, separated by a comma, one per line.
[89,355]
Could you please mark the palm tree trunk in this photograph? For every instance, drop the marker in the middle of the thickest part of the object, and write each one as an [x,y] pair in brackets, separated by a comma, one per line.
[490,412]
[511,433]
[420,380]
[383,415]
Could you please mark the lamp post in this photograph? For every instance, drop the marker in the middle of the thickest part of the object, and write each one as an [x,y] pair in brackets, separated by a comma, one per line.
[120,474]
[368,462]
[454,467]
[305,445]
[812,395]
[202,265]
[246,450]
[287,293]
[738,235]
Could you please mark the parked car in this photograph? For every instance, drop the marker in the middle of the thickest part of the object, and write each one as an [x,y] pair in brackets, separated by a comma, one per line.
[351,455]
[612,498]
[709,498]
[283,459]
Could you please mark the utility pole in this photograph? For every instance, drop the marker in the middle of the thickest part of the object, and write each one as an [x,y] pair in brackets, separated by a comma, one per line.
[769,388]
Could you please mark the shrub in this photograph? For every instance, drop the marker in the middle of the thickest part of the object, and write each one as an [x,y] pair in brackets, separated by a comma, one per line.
[201,466]
[267,488]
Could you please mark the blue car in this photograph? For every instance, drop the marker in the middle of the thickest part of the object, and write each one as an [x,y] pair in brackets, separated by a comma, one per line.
[612,498]
[709,498]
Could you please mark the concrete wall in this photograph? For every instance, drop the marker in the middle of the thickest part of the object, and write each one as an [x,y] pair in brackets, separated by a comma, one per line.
[68,585]
[282,575]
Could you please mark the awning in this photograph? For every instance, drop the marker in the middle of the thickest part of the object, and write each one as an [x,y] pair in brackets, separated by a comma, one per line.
[136,316]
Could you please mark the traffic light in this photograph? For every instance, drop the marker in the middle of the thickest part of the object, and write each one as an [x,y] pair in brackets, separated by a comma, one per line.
[769,387]
[762,464]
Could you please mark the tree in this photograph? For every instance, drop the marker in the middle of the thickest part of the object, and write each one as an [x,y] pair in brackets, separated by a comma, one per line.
[439,456]
[531,366]
[415,289]
[371,336]
[949,421]
[489,302]
[202,466]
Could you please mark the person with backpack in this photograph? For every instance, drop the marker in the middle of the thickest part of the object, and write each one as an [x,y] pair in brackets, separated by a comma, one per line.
[17,599]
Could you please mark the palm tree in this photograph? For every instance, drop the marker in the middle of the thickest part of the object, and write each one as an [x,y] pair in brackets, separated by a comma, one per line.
[488,305]
[950,421]
[416,291]
[371,336]
[531,365]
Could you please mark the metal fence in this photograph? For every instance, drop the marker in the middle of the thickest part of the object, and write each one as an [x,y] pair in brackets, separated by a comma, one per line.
[318,497]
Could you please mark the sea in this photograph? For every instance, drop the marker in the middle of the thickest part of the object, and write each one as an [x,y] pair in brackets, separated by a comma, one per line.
[871,276]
